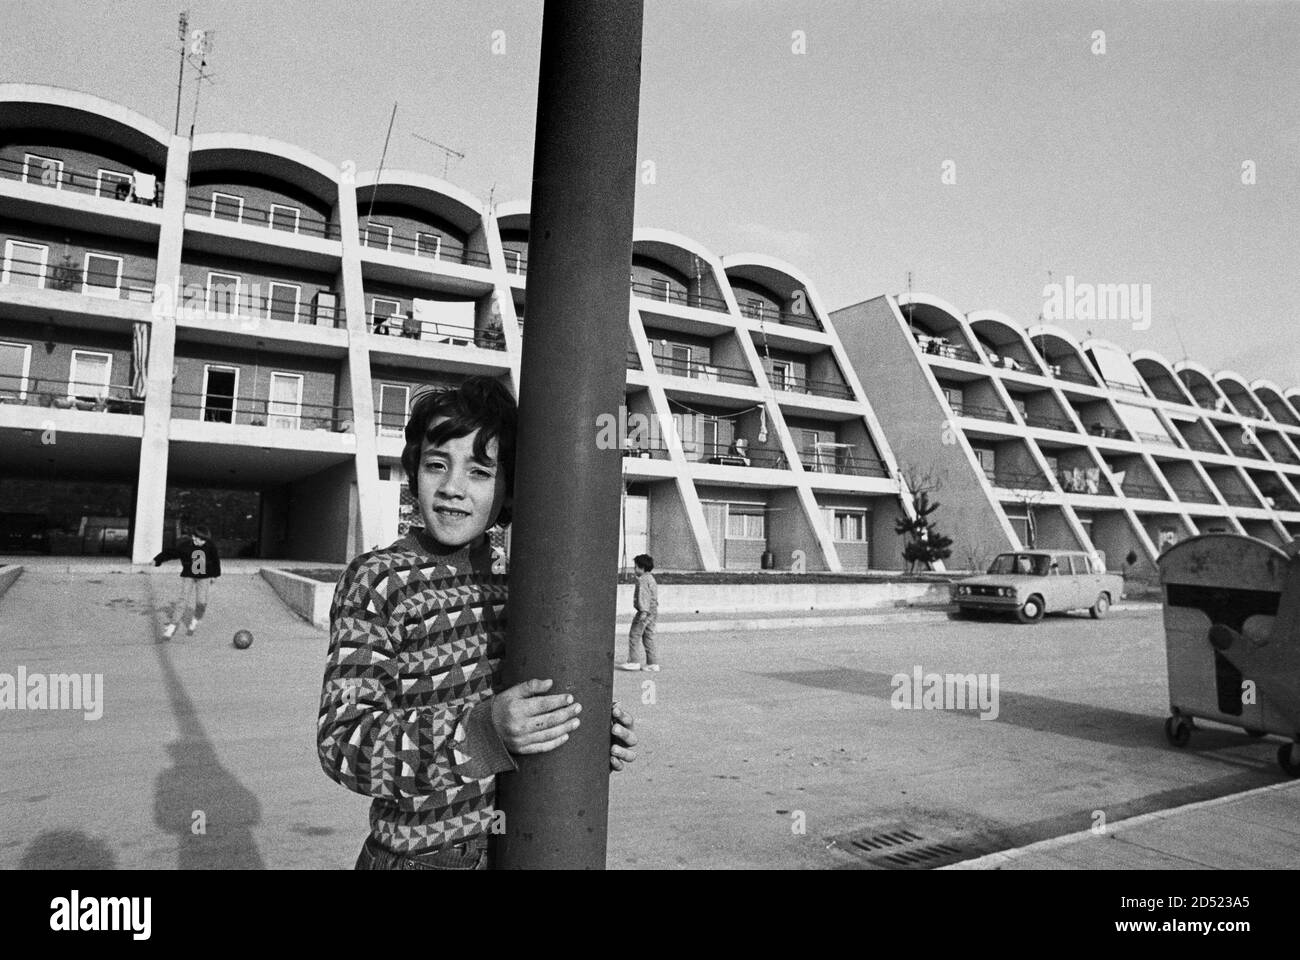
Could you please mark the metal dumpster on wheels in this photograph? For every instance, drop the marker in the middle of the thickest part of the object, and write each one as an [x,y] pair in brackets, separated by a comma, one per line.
[1232,636]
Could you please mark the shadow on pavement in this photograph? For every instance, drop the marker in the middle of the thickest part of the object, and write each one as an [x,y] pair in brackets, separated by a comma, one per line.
[1028,711]
[209,810]
[67,850]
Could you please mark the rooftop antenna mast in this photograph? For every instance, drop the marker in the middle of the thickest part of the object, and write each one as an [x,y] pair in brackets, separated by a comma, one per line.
[183,34]
[911,307]
[201,44]
[382,157]
[447,152]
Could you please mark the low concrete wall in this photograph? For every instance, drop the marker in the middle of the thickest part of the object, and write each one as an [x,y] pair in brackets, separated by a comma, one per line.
[308,598]
[7,577]
[736,598]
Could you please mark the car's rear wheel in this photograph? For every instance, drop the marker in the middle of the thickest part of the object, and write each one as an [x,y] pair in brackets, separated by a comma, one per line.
[1031,611]
[1100,608]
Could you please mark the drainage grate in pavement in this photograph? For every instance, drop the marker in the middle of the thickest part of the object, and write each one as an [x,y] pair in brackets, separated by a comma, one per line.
[900,848]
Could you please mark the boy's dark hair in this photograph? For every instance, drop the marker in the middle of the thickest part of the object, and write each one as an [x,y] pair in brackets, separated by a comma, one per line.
[479,403]
[644,561]
[203,532]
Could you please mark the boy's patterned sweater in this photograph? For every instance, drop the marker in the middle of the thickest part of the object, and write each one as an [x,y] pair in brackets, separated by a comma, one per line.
[416,637]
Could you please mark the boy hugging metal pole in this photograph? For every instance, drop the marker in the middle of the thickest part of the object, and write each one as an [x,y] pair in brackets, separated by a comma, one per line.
[565,541]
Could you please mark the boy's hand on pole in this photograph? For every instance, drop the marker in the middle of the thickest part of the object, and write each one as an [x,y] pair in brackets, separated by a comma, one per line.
[621,739]
[528,722]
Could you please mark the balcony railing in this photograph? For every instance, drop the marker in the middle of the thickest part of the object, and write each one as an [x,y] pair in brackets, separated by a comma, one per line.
[1239,498]
[698,370]
[277,414]
[651,291]
[1282,501]
[1074,376]
[1108,433]
[633,360]
[69,394]
[304,222]
[1121,385]
[766,314]
[822,462]
[789,383]
[1204,446]
[407,327]
[1020,481]
[937,347]
[79,279]
[1048,423]
[996,414]
[120,187]
[1143,491]
[1191,495]
[731,456]
[220,302]
[1159,438]
[422,248]
[644,453]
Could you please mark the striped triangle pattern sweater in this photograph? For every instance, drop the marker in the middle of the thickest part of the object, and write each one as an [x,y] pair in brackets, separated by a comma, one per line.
[416,638]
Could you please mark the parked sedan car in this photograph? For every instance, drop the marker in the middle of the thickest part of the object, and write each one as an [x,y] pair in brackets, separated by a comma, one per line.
[1029,583]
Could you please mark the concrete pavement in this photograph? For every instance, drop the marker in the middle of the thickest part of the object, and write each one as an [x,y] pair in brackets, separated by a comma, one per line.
[776,747]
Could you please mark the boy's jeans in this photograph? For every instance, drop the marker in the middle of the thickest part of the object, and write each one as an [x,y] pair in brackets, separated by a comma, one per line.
[471,854]
[192,596]
[643,632]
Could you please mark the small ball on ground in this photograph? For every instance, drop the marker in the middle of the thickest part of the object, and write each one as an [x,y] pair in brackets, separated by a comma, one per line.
[243,639]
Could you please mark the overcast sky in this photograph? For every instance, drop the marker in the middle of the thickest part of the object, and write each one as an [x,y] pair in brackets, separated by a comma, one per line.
[1117,167]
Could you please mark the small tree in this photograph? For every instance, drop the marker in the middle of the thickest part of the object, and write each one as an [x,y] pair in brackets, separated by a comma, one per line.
[925,544]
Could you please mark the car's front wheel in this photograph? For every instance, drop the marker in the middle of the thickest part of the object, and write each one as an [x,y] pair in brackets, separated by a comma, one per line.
[1031,611]
[1100,608]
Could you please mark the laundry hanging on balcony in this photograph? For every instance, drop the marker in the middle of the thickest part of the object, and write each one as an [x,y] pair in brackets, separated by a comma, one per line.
[139,360]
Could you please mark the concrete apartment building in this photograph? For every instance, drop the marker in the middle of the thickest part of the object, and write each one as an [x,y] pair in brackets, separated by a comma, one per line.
[1095,448]
[232,330]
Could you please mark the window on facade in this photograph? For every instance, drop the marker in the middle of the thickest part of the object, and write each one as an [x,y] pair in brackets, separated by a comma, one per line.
[103,276]
[394,401]
[283,301]
[428,245]
[514,261]
[660,289]
[381,313]
[954,397]
[113,185]
[782,375]
[284,408]
[227,206]
[754,308]
[43,170]
[851,526]
[708,434]
[88,378]
[378,235]
[15,363]
[223,294]
[24,264]
[220,389]
[987,460]
[284,217]
[746,522]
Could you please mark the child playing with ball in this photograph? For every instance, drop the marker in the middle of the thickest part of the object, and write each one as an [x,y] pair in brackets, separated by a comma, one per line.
[200,565]
[412,714]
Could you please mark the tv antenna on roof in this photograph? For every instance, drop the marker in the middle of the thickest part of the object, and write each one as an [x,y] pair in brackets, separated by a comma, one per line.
[447,152]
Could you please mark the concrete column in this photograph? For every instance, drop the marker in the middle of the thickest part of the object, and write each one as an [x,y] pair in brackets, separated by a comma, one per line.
[356,370]
[151,487]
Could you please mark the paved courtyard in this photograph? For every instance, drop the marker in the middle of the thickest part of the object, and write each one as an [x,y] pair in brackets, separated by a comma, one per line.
[750,737]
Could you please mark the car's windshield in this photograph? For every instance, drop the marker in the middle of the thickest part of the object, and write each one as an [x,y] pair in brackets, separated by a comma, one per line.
[1021,563]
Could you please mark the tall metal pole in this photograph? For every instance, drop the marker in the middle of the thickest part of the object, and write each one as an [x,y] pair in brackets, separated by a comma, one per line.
[564,548]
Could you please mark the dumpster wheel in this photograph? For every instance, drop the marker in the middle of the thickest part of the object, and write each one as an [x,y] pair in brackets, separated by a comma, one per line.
[1287,759]
[1178,730]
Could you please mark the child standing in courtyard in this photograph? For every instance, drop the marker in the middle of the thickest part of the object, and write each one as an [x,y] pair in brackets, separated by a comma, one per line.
[411,711]
[200,565]
[645,601]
